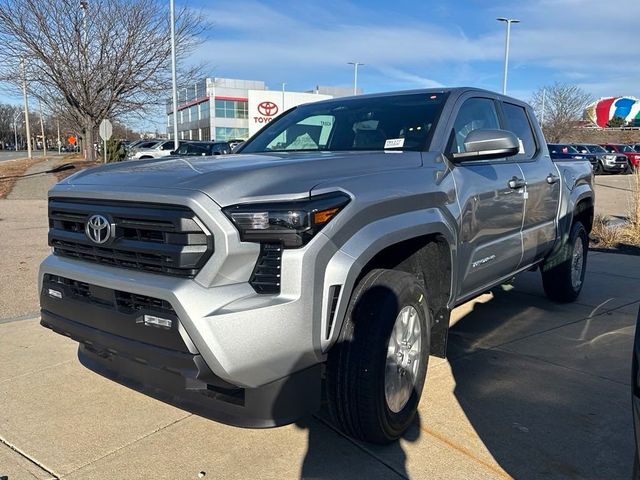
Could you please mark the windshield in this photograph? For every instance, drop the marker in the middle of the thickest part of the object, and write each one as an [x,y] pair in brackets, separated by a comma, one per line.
[596,149]
[399,122]
[626,149]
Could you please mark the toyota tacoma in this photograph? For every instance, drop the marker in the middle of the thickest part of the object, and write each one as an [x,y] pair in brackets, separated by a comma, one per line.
[332,248]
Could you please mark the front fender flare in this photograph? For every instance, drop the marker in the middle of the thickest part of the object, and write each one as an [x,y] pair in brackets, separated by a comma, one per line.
[345,266]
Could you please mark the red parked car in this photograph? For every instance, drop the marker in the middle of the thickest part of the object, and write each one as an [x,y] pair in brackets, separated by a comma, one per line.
[632,155]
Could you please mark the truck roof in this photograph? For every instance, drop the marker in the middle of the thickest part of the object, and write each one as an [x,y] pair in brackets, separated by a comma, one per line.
[454,91]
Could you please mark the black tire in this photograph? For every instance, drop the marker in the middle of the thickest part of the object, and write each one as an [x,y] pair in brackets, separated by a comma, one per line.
[599,169]
[556,271]
[356,364]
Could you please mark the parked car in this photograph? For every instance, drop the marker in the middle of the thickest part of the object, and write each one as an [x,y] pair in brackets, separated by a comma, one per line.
[159,149]
[562,151]
[632,155]
[604,161]
[235,142]
[192,148]
[236,147]
[334,246]
[141,144]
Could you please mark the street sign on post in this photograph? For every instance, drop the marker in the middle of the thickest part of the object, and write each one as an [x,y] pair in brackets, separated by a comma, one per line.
[106,130]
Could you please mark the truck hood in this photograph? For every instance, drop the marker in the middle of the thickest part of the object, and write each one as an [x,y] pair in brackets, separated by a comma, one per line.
[232,179]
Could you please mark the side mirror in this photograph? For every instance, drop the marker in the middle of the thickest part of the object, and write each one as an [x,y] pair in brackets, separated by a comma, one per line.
[486,144]
[172,152]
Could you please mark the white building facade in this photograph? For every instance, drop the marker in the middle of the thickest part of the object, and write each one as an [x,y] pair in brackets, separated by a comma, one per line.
[227,109]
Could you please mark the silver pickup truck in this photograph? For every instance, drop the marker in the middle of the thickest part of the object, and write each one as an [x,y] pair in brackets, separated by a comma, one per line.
[332,248]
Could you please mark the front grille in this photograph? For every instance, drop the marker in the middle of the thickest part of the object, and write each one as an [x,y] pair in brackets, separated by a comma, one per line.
[156,238]
[266,274]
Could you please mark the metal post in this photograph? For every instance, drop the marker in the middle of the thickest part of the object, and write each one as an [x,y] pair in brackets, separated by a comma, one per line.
[507,41]
[283,85]
[104,152]
[59,142]
[172,14]
[84,4]
[44,140]
[15,130]
[355,75]
[15,134]
[26,109]
[544,95]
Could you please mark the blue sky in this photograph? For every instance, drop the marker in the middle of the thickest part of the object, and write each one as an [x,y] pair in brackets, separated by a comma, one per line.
[412,44]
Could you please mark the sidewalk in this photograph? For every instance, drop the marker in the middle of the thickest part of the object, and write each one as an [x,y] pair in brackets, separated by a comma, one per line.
[531,390]
[35,187]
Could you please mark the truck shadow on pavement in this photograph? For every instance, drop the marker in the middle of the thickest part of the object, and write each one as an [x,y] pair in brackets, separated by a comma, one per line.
[327,459]
[533,403]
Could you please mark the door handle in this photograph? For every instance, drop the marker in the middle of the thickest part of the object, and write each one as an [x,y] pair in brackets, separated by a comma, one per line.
[551,178]
[516,183]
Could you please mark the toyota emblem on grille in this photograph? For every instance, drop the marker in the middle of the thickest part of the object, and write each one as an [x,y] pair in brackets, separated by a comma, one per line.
[98,229]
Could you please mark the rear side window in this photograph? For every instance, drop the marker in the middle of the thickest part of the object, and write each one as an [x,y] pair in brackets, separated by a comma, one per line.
[474,114]
[518,123]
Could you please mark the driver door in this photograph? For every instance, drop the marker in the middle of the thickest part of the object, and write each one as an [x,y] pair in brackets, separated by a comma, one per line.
[491,200]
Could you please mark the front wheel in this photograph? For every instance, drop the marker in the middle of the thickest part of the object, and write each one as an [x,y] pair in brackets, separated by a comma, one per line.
[563,274]
[598,169]
[377,369]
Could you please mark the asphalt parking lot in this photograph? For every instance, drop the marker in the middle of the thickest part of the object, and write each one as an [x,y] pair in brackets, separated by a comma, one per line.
[531,390]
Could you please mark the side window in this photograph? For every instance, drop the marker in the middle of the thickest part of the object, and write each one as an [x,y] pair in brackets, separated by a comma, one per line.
[518,123]
[475,113]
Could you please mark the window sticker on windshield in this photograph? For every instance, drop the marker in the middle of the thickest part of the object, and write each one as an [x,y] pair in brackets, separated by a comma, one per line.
[521,147]
[394,143]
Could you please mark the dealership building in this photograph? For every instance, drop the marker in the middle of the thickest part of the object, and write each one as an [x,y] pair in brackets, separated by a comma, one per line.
[225,108]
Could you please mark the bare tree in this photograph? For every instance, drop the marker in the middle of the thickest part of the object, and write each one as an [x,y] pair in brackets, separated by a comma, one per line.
[564,106]
[8,115]
[96,59]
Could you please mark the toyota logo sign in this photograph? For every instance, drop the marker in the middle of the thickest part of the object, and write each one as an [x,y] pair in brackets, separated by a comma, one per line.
[98,229]
[268,109]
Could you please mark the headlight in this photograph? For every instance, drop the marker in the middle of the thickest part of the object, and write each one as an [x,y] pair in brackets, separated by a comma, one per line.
[291,224]
[610,158]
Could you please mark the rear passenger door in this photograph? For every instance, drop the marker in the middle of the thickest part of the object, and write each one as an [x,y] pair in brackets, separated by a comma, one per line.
[491,209]
[542,191]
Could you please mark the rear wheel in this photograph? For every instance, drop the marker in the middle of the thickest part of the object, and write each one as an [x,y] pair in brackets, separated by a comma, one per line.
[563,274]
[376,371]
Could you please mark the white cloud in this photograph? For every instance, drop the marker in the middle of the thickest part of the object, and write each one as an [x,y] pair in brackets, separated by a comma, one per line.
[585,41]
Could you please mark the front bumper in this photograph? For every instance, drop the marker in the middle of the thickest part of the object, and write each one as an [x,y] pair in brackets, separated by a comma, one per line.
[615,167]
[156,361]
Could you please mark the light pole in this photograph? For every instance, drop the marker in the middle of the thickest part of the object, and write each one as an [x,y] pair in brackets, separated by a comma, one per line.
[15,130]
[174,80]
[355,75]
[283,85]
[26,108]
[44,139]
[508,21]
